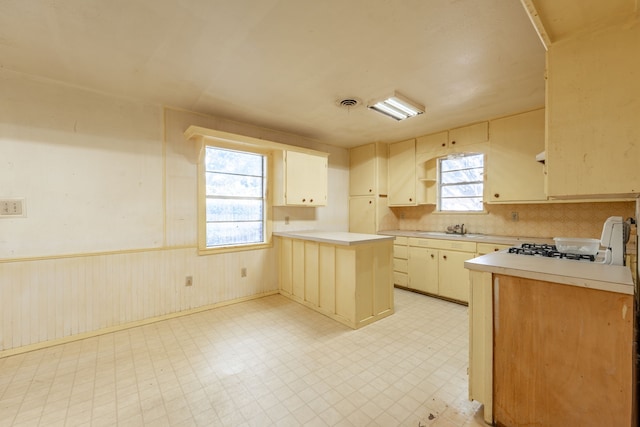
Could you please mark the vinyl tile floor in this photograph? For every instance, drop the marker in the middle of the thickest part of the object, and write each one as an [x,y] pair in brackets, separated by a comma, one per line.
[265,362]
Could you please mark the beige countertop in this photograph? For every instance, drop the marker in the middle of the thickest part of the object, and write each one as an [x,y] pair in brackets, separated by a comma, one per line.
[335,237]
[612,278]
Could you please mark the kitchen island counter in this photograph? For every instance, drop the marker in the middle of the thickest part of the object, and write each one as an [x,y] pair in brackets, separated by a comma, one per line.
[345,276]
[611,278]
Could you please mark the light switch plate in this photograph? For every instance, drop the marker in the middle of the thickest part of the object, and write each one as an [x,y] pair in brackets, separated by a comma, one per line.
[12,208]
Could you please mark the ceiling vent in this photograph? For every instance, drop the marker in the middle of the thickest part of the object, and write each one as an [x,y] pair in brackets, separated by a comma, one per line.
[348,103]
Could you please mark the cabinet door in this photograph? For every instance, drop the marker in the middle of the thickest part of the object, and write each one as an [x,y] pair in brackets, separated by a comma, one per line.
[306,179]
[362,170]
[454,278]
[513,174]
[434,145]
[362,215]
[467,135]
[402,173]
[423,269]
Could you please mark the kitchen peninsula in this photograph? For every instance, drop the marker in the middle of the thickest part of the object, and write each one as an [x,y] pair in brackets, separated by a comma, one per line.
[345,276]
[551,341]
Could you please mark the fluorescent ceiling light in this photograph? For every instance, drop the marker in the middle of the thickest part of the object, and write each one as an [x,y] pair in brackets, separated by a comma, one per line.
[398,107]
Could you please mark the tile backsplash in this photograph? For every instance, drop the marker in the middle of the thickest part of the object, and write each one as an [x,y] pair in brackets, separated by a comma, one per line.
[534,220]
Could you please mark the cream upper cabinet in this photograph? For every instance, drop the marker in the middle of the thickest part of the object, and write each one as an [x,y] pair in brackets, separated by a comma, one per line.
[302,179]
[452,141]
[593,113]
[368,170]
[402,173]
[434,145]
[468,135]
[513,174]
[367,187]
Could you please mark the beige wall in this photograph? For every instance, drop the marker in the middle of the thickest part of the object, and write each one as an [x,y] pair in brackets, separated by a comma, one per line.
[110,232]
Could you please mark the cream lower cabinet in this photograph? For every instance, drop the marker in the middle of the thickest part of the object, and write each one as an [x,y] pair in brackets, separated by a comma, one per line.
[481,341]
[400,262]
[423,269]
[437,267]
[350,284]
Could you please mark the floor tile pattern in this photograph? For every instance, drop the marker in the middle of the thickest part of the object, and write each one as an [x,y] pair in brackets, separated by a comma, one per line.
[266,362]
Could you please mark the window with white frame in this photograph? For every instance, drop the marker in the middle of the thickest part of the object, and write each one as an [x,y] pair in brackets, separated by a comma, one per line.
[235,198]
[461,182]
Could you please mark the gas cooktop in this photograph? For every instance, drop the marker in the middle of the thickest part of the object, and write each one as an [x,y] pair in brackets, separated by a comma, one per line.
[549,251]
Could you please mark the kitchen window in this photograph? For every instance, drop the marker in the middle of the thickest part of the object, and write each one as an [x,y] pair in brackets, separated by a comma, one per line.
[461,183]
[235,202]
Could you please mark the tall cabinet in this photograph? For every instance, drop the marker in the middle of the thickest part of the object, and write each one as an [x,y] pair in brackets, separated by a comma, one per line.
[367,187]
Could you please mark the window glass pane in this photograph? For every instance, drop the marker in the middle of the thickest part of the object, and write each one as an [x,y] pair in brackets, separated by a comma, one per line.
[468,204]
[233,185]
[235,202]
[234,233]
[234,162]
[220,210]
[465,162]
[464,190]
[465,175]
[461,183]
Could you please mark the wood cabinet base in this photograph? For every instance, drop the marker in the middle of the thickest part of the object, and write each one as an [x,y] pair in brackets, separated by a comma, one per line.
[563,355]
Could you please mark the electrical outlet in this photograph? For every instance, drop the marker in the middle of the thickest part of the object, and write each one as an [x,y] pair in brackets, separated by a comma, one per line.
[188,281]
[12,208]
[243,272]
[514,216]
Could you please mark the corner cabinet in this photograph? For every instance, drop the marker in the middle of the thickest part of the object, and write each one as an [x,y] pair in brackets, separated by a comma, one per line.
[402,173]
[301,179]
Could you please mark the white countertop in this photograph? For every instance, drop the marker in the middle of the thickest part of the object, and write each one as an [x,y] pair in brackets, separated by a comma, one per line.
[612,278]
[335,237]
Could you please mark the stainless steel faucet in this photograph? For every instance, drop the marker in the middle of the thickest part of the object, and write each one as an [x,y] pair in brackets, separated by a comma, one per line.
[456,229]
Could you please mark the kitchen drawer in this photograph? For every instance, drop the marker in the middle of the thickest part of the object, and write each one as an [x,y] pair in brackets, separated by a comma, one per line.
[401,265]
[401,240]
[456,245]
[487,248]
[400,251]
[400,279]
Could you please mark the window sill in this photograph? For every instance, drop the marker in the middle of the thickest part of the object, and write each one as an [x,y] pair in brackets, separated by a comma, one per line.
[239,248]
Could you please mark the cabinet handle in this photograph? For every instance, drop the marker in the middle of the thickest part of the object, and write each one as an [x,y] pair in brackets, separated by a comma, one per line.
[410,199]
[370,190]
[497,195]
[453,143]
[310,200]
[304,200]
[432,255]
[444,257]
[370,202]
[444,144]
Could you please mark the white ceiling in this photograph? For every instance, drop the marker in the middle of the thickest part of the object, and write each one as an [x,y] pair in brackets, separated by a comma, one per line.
[283,64]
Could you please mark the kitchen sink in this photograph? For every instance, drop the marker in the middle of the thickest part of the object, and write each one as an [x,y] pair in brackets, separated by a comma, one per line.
[445,234]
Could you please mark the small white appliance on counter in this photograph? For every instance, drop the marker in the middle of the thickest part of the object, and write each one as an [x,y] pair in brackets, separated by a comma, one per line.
[615,235]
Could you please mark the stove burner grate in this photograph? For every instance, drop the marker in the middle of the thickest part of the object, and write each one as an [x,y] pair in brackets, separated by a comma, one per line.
[549,251]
